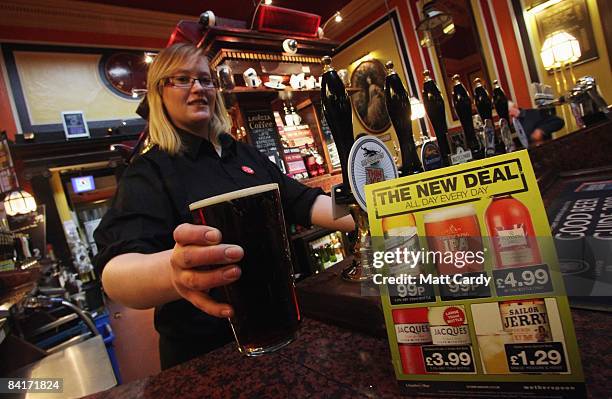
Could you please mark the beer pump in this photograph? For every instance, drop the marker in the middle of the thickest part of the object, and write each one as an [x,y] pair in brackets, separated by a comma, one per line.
[365,161]
[463,108]
[398,107]
[485,110]
[336,107]
[434,106]
[501,105]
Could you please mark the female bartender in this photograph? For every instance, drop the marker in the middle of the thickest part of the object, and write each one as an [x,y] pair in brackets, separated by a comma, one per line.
[150,252]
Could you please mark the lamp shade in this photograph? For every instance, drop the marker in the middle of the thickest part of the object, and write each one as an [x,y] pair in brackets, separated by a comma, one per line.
[558,49]
[19,202]
[436,26]
[417,108]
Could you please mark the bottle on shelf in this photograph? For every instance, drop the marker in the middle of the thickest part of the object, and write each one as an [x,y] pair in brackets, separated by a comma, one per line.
[310,162]
[435,108]
[463,108]
[288,116]
[398,107]
[297,120]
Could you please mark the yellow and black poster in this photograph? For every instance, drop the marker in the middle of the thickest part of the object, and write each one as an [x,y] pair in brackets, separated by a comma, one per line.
[473,299]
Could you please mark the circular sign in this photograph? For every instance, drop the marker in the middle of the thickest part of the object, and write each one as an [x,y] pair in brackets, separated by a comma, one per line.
[369,162]
[454,316]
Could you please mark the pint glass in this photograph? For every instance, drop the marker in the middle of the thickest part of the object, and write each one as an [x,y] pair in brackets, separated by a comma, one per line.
[266,313]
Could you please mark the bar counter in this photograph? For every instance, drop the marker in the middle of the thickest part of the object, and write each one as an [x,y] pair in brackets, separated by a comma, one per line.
[345,352]
[329,361]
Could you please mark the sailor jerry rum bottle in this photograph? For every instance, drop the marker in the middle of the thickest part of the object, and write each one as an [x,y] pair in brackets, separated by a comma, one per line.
[434,106]
[463,108]
[398,107]
[337,110]
[512,234]
[526,320]
[412,332]
[501,101]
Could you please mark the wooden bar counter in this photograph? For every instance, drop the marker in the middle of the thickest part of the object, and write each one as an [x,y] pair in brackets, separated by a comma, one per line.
[344,352]
[333,362]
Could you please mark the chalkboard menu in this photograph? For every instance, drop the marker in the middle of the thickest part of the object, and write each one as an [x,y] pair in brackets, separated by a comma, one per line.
[262,131]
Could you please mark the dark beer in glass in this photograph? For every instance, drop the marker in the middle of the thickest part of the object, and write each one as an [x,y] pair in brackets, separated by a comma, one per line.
[266,313]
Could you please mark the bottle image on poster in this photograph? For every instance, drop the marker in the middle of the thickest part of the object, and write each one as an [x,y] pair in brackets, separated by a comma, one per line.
[400,233]
[448,325]
[412,332]
[454,230]
[511,232]
[526,320]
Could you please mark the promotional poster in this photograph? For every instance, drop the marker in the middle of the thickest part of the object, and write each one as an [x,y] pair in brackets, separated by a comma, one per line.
[469,279]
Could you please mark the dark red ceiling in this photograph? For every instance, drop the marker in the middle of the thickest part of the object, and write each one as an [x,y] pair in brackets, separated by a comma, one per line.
[234,9]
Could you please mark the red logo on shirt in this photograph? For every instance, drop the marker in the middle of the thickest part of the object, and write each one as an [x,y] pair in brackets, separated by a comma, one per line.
[248,170]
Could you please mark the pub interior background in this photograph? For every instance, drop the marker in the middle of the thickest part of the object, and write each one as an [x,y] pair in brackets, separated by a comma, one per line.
[89,57]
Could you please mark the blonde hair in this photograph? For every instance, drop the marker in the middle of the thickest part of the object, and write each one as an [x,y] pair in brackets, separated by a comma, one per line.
[161,130]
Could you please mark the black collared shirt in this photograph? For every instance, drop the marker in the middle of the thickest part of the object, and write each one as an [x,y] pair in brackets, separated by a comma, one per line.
[153,198]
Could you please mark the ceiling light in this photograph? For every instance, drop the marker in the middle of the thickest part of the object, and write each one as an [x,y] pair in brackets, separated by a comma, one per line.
[435,27]
[268,2]
[338,17]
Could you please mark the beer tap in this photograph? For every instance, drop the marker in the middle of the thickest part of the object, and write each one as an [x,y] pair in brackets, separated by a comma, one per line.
[338,113]
[463,108]
[398,107]
[500,100]
[485,110]
[435,108]
[337,110]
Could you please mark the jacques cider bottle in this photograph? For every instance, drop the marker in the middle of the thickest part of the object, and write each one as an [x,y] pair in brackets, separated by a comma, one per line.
[412,332]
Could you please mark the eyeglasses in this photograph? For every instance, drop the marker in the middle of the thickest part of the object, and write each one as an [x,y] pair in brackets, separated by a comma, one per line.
[186,82]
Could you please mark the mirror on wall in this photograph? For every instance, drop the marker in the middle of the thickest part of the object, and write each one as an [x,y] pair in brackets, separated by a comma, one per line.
[462,53]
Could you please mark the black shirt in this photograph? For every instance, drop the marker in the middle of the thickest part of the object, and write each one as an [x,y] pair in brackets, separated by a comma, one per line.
[153,198]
